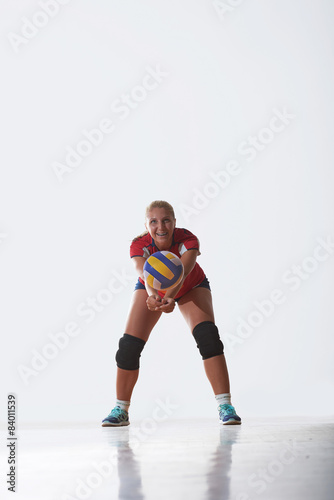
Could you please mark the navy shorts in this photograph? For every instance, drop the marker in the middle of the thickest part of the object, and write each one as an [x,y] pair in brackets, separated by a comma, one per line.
[203,284]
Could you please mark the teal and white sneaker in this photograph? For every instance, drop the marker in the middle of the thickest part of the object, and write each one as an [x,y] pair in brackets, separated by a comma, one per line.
[227,415]
[116,418]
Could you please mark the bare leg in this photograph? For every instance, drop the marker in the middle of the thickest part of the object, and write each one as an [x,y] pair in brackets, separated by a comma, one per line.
[140,323]
[196,306]
[125,382]
[216,371]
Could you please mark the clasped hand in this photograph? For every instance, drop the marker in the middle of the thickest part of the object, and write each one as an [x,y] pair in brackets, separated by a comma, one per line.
[156,303]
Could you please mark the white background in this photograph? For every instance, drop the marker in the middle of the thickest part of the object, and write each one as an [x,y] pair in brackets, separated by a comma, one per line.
[60,241]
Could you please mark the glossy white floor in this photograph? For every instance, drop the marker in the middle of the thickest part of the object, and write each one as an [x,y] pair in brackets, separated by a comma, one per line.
[268,458]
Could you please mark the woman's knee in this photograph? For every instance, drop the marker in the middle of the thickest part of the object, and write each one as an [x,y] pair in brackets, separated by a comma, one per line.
[208,340]
[129,352]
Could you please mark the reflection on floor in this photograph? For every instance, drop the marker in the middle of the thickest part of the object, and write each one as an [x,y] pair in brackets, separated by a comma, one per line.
[273,459]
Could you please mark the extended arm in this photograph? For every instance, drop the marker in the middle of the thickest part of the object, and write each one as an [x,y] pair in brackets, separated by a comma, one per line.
[167,304]
[188,260]
[155,299]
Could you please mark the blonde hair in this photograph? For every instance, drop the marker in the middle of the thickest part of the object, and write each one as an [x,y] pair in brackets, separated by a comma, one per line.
[160,204]
[156,204]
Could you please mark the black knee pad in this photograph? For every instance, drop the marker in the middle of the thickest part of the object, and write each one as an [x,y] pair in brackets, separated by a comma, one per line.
[208,340]
[128,354]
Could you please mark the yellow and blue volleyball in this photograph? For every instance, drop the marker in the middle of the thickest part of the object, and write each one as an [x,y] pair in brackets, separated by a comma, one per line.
[163,270]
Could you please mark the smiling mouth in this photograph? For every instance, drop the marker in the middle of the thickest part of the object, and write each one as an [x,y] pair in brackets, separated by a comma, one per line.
[161,234]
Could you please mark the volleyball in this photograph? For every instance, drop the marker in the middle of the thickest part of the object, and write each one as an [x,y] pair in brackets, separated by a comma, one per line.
[163,270]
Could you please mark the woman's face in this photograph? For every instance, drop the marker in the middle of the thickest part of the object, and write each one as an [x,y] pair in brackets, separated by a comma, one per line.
[160,224]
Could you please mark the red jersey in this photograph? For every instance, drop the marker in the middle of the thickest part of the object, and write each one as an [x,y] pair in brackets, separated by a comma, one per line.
[183,240]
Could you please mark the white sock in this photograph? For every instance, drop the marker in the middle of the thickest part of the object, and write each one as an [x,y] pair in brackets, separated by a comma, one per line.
[124,405]
[223,399]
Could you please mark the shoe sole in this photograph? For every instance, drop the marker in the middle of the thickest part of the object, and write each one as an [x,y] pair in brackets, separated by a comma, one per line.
[230,422]
[109,424]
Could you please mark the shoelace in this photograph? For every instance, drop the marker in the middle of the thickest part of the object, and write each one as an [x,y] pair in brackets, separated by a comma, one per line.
[227,409]
[117,412]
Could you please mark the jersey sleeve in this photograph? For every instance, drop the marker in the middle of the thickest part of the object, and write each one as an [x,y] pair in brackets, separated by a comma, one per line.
[189,242]
[138,248]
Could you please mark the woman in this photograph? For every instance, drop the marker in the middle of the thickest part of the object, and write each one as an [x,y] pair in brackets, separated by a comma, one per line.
[193,296]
